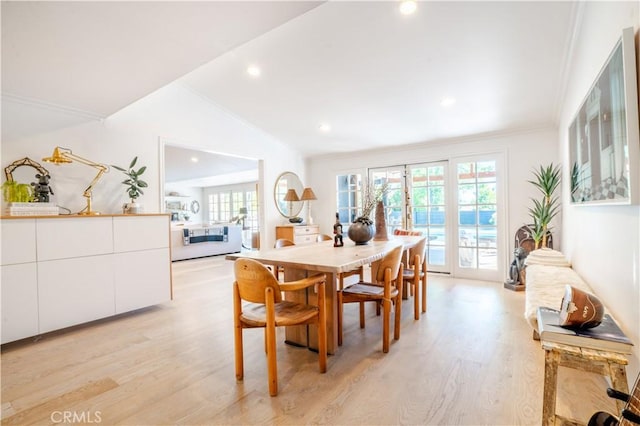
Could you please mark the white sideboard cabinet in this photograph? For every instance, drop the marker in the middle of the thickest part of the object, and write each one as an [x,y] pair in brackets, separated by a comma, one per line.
[67,270]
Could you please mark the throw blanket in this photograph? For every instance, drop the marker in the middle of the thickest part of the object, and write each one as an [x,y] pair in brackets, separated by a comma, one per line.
[547,272]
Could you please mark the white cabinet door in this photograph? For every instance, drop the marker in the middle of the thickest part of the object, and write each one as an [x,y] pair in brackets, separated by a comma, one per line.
[19,301]
[18,241]
[73,291]
[132,233]
[66,238]
[143,278]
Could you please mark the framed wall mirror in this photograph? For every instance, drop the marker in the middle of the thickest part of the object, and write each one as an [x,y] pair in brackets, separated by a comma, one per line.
[286,194]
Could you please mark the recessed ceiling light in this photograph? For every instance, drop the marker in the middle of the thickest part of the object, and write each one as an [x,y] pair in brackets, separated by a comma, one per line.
[447,101]
[253,70]
[324,127]
[407,7]
[194,159]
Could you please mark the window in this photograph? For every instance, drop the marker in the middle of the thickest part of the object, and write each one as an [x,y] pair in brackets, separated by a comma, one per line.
[349,197]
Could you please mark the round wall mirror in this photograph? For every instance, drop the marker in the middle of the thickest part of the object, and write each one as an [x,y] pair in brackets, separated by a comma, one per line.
[286,193]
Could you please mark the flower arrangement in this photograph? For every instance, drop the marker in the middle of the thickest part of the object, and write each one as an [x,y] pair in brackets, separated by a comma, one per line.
[371,195]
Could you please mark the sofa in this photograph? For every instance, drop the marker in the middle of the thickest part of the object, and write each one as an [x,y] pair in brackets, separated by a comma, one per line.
[547,272]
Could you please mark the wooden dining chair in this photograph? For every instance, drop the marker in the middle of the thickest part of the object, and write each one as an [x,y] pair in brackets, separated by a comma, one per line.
[414,273]
[280,243]
[264,307]
[323,237]
[385,289]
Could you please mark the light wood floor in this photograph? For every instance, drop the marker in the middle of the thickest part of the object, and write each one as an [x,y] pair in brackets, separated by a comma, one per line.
[470,360]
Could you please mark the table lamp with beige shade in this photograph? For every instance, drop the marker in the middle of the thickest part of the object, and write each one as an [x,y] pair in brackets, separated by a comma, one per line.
[308,195]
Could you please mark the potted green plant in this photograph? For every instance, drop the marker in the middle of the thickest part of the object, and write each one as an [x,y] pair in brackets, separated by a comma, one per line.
[14,192]
[547,180]
[134,186]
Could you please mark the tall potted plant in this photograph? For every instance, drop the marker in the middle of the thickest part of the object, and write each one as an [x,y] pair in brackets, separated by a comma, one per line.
[134,185]
[547,180]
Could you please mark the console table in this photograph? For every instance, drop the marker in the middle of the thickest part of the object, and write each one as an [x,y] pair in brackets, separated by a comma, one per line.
[60,271]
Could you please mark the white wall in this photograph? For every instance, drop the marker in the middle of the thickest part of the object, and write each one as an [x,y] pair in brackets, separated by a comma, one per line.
[523,151]
[603,241]
[173,112]
[187,195]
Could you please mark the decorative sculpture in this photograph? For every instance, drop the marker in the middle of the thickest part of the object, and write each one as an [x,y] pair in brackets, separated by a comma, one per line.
[517,266]
[337,231]
[381,223]
[42,188]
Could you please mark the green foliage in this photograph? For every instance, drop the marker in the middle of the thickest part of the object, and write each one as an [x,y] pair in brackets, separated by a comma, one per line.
[547,180]
[14,192]
[133,182]
[575,174]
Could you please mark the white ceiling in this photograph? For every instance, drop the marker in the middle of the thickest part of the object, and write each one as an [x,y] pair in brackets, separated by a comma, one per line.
[376,76]
[197,168]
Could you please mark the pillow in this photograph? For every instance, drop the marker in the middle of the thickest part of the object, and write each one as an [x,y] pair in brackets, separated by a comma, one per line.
[547,256]
[399,231]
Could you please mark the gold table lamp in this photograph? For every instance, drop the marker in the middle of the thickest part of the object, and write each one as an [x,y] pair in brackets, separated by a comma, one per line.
[65,156]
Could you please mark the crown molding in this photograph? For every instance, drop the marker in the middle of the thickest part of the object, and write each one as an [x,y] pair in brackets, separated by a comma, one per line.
[50,106]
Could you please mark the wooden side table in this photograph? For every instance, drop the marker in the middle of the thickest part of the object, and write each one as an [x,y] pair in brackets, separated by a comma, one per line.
[608,364]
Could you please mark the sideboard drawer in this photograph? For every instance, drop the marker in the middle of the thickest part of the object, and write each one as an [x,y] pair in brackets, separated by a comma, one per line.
[304,239]
[305,230]
[299,234]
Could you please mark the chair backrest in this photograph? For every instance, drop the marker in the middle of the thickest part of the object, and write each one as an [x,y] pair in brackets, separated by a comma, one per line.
[323,237]
[283,242]
[390,260]
[400,231]
[419,248]
[253,278]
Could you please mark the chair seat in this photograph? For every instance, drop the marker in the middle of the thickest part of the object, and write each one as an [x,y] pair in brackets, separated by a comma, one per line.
[367,290]
[408,274]
[287,313]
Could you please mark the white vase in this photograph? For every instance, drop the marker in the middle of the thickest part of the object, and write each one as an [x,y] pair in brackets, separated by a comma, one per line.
[132,208]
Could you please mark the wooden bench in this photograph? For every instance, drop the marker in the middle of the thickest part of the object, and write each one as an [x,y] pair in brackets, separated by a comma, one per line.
[608,364]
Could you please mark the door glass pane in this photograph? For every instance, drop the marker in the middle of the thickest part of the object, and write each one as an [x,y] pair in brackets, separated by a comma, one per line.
[467,194]
[477,223]
[428,204]
[467,215]
[394,198]
[436,215]
[348,197]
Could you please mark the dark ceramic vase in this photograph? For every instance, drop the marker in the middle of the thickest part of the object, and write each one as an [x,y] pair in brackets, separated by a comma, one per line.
[361,232]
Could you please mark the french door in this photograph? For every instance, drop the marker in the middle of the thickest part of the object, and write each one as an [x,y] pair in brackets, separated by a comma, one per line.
[417,200]
[456,204]
[479,218]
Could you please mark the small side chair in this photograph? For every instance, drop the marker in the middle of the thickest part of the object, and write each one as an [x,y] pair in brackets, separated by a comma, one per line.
[280,243]
[266,309]
[414,273]
[386,289]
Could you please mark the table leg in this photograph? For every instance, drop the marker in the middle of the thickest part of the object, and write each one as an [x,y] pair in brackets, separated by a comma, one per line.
[618,376]
[551,361]
[303,335]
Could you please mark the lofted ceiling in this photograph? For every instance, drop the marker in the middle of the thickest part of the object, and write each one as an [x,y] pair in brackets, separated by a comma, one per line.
[375,76]
[197,168]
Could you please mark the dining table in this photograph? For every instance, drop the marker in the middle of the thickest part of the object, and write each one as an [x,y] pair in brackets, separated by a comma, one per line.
[300,261]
